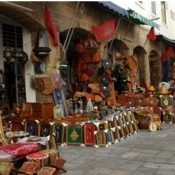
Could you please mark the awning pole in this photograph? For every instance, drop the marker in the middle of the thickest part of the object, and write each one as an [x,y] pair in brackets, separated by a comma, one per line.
[70,28]
[115,32]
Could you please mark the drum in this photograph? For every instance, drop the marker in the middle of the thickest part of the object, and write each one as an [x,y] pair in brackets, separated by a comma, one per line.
[52,155]
[40,158]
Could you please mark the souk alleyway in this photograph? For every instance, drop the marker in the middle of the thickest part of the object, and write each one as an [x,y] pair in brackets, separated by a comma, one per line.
[145,153]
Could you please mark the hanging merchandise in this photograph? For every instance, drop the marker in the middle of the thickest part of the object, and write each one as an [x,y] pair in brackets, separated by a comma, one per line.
[163,57]
[57,80]
[51,26]
[121,74]
[84,77]
[105,90]
[133,65]
[60,99]
[166,70]
[170,52]
[152,35]
[7,54]
[107,63]
[23,57]
[90,43]
[38,68]
[37,83]
[41,52]
[95,58]
[104,31]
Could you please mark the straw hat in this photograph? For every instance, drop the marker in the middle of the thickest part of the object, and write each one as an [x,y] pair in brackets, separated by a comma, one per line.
[163,86]
[151,88]
[163,90]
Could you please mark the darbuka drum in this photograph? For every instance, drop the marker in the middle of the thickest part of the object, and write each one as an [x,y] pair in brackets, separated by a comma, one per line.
[52,155]
[40,158]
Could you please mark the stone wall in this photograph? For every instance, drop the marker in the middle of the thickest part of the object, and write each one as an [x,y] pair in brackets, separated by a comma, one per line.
[90,14]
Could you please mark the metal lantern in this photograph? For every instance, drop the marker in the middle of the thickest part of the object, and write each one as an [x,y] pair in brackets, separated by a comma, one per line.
[107,64]
[7,54]
[22,57]
[16,53]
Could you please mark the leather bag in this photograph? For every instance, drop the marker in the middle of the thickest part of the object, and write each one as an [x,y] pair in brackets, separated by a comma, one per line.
[49,86]
[38,83]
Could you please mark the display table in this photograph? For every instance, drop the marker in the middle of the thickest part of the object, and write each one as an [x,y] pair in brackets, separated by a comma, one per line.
[34,139]
[15,135]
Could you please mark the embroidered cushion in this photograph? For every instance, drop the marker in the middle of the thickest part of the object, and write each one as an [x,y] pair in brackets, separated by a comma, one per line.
[20,149]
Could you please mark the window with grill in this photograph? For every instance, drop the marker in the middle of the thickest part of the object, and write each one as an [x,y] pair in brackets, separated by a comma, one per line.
[153,7]
[163,11]
[12,36]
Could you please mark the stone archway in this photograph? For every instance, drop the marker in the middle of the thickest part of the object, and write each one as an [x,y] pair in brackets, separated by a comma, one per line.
[118,46]
[155,68]
[140,54]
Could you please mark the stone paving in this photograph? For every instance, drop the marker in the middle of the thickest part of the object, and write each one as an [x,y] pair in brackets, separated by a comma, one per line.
[145,153]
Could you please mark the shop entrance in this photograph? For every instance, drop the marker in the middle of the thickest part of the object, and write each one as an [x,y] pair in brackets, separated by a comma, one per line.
[140,54]
[70,59]
[9,77]
[155,68]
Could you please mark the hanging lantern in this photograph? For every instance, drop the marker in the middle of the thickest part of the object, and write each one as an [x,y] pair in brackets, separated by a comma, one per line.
[107,64]
[22,57]
[41,52]
[15,53]
[7,54]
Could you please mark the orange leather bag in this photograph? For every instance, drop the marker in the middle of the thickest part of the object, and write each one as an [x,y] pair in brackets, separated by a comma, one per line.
[96,58]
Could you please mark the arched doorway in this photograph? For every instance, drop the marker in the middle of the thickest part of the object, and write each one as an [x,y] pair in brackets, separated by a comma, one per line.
[155,68]
[88,68]
[115,46]
[140,54]
[68,56]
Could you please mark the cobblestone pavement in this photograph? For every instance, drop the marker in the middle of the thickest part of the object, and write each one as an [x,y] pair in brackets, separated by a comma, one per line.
[145,153]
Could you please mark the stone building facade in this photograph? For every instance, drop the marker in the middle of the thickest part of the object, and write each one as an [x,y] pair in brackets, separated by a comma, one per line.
[132,36]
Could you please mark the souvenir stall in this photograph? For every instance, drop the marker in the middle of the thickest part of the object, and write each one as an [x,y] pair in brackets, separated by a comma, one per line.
[85,111]
[88,96]
[91,81]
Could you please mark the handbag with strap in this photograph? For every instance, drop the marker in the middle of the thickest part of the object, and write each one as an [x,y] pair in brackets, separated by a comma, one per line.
[38,83]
